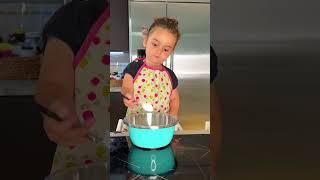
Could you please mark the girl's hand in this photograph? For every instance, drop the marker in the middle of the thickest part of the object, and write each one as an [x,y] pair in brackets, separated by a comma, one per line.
[129,101]
[68,132]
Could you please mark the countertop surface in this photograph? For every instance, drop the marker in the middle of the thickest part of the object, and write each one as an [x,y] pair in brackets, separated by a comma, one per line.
[25,87]
[17,87]
[186,157]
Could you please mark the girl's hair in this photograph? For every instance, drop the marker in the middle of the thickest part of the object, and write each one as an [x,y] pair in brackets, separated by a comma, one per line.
[170,24]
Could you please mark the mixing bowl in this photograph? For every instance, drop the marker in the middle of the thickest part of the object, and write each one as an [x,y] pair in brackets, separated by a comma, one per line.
[151,130]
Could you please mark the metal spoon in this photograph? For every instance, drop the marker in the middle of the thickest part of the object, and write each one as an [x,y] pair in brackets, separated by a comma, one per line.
[53,115]
[146,106]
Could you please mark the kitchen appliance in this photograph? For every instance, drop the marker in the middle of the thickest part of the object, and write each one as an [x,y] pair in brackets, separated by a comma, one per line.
[151,130]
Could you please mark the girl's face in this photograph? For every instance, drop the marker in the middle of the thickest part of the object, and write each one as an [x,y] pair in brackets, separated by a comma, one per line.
[159,45]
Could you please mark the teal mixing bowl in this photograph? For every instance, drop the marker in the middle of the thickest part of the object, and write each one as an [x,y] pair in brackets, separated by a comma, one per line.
[151,130]
[151,162]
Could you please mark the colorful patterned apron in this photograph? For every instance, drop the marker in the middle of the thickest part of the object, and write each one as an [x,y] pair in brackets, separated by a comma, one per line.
[92,90]
[152,86]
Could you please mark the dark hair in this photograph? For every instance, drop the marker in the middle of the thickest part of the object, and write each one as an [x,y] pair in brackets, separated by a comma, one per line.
[170,24]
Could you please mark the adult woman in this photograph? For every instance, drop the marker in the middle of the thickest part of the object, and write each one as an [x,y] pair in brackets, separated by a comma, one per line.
[73,81]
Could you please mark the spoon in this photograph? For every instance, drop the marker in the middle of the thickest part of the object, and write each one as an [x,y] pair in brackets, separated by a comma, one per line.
[146,106]
[53,115]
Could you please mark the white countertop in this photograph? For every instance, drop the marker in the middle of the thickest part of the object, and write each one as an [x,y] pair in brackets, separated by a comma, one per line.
[115,89]
[17,87]
[25,88]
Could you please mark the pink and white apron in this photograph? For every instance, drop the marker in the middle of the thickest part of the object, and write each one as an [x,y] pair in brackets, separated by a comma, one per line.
[152,85]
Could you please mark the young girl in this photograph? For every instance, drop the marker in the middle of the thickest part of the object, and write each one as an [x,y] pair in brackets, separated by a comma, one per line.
[148,81]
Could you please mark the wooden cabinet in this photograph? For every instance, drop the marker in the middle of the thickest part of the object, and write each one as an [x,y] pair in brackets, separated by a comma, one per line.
[20,68]
[117,109]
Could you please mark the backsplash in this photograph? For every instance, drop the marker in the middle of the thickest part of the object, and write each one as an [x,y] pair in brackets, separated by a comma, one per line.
[119,61]
[34,17]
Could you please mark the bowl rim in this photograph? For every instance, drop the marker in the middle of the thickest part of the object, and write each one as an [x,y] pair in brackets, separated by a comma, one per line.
[175,122]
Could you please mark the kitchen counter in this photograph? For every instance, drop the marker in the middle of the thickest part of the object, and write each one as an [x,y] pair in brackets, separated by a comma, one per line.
[189,153]
[187,157]
[17,87]
[25,87]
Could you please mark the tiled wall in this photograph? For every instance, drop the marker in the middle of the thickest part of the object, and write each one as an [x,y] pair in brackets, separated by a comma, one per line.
[35,16]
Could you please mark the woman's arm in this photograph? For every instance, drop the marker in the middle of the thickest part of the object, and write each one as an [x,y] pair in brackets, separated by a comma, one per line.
[55,90]
[174,102]
[56,80]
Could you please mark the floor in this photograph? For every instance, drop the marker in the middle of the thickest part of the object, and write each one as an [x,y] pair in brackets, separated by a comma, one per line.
[270,99]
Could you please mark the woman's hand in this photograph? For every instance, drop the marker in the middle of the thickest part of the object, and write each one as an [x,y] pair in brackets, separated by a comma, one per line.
[55,91]
[67,132]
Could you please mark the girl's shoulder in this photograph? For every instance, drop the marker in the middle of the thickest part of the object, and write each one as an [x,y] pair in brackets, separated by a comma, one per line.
[136,64]
[133,68]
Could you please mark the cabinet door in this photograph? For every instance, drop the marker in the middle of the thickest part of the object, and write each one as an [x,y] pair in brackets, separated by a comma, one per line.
[142,14]
[119,31]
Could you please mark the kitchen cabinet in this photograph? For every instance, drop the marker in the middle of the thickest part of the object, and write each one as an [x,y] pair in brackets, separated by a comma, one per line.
[20,68]
[119,31]
[27,151]
[117,109]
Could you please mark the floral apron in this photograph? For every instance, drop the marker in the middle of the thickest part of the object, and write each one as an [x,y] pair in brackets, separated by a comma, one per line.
[152,86]
[91,66]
